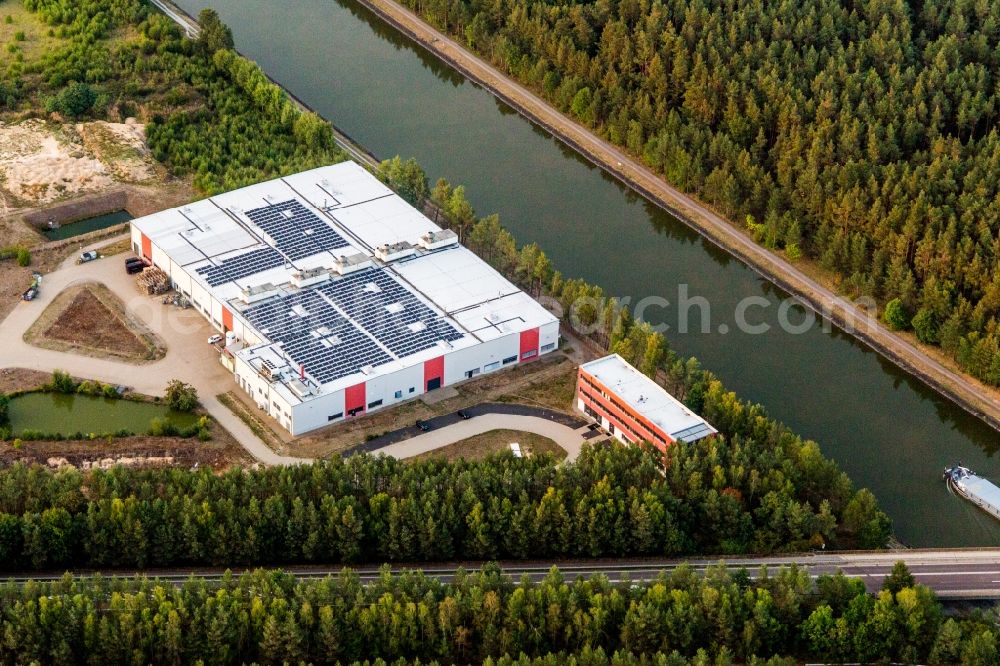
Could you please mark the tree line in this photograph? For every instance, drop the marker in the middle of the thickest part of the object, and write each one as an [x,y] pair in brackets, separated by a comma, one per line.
[862,135]
[733,495]
[483,616]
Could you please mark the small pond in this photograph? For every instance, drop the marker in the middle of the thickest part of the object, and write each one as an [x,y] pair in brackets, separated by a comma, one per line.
[67,414]
[80,227]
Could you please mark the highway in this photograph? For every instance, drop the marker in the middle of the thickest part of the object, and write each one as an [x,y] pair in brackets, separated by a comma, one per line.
[953,574]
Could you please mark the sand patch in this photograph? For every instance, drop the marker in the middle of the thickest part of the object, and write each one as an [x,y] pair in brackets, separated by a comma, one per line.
[121,148]
[43,162]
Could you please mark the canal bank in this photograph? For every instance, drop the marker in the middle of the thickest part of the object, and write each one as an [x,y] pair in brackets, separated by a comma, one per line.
[964,391]
[885,428]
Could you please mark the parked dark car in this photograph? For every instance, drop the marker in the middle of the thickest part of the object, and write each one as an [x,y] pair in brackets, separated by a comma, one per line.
[423,425]
[464,414]
[134,265]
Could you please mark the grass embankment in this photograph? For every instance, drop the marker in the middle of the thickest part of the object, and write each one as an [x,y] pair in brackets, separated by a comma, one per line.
[495,441]
[264,432]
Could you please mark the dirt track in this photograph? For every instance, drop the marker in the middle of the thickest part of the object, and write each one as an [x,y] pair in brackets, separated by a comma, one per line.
[977,399]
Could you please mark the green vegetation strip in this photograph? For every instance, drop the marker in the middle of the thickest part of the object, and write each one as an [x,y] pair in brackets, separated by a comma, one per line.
[236,406]
[613,501]
[481,618]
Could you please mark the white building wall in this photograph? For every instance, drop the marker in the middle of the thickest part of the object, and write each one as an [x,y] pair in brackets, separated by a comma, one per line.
[215,309]
[180,277]
[160,259]
[384,387]
[316,413]
[548,334]
[483,358]
[200,298]
[252,384]
[136,240]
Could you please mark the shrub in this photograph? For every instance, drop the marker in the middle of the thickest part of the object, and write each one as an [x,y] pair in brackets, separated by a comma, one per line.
[62,382]
[74,100]
[180,396]
[19,36]
[160,427]
[17,444]
[895,315]
[87,387]
[23,256]
[109,391]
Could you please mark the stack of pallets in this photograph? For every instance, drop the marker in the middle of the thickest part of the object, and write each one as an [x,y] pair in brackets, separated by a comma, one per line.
[153,281]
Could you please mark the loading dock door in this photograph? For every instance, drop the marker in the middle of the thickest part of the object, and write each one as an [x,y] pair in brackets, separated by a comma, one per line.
[433,373]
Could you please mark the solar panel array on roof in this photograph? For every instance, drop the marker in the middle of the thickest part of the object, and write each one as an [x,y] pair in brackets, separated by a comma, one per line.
[296,230]
[312,333]
[390,312]
[241,266]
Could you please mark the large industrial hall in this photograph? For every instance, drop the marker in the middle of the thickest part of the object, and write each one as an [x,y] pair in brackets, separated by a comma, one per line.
[338,297]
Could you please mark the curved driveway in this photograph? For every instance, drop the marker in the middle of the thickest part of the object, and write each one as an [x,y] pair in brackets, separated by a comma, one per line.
[566,437]
[189,358]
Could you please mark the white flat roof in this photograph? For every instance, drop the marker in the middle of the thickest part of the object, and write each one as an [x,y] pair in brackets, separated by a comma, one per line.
[343,329]
[647,398]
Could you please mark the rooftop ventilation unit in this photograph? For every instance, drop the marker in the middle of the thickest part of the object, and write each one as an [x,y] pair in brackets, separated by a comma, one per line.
[394,251]
[258,292]
[299,388]
[433,240]
[304,278]
[351,263]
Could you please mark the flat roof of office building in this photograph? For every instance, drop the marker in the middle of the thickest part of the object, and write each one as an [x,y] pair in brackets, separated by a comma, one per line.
[339,276]
[648,399]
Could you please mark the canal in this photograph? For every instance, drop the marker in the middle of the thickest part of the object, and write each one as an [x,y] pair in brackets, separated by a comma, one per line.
[886,430]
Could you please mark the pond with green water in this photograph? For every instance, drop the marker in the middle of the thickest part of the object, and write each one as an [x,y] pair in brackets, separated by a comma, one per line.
[53,413]
[81,227]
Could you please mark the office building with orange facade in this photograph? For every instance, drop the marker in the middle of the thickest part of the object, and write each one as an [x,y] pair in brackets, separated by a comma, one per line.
[634,408]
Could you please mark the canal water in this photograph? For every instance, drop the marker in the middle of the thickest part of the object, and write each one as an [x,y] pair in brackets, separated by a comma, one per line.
[71,413]
[80,227]
[886,430]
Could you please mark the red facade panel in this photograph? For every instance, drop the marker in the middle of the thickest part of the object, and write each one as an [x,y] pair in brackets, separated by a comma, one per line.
[529,344]
[434,373]
[147,247]
[354,399]
[623,418]
[227,319]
